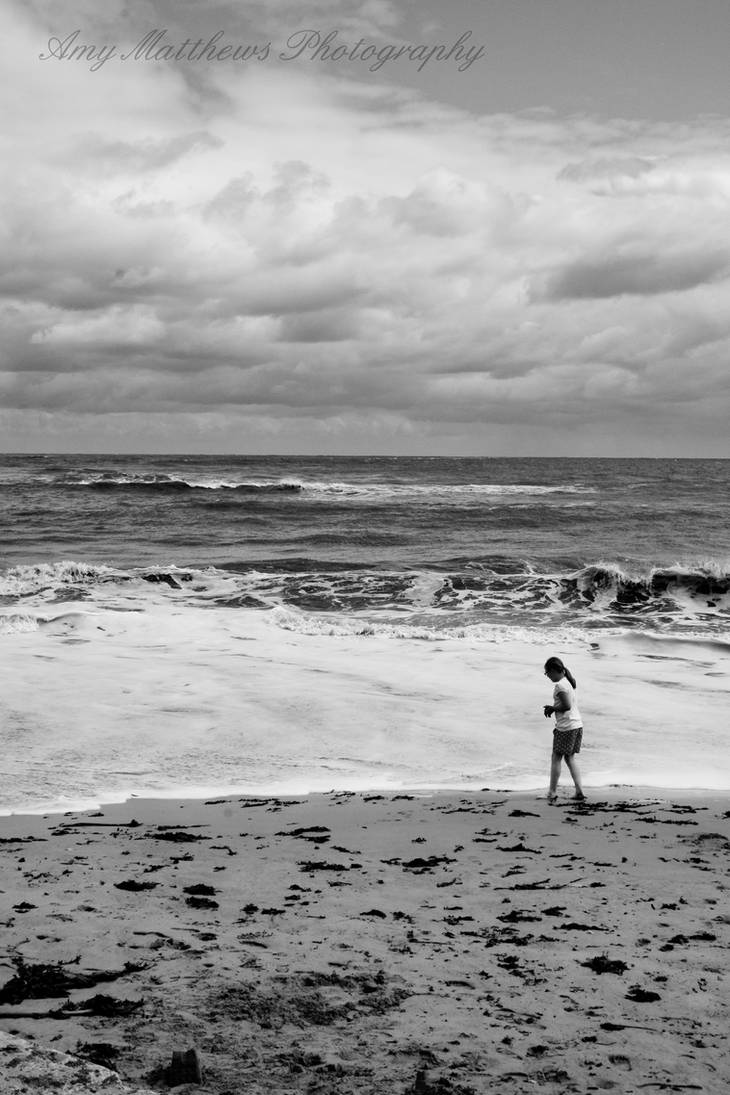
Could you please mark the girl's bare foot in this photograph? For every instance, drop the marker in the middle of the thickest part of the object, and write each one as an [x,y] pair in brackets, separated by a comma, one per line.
[552,797]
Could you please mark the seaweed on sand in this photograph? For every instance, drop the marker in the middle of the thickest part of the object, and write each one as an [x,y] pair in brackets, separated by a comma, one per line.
[37,981]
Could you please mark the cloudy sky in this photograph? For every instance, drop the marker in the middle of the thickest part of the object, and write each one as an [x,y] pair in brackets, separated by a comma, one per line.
[390,226]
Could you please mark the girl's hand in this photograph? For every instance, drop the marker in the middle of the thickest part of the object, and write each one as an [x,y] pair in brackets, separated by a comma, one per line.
[548,710]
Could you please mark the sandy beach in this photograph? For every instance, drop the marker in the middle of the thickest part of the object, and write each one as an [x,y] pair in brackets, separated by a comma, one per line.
[374,943]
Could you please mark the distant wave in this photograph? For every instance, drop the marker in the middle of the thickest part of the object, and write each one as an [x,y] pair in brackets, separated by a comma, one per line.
[162,482]
[424,490]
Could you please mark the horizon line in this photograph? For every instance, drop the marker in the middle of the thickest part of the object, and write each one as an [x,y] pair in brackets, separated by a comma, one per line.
[360,455]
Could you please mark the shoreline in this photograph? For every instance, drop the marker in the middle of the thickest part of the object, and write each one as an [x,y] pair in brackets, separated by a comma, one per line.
[347,941]
[180,797]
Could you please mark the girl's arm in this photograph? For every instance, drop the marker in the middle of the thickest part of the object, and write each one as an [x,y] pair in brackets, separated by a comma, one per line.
[561,701]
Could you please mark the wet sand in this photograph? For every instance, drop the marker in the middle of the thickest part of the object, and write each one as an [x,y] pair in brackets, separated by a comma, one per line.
[378,943]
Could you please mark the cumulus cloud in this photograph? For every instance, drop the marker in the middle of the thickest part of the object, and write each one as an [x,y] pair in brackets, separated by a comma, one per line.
[290,245]
[97,154]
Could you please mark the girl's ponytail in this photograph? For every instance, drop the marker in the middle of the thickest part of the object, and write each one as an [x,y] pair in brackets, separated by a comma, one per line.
[557,666]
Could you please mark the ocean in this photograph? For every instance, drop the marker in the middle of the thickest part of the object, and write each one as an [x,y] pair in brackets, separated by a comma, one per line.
[381,576]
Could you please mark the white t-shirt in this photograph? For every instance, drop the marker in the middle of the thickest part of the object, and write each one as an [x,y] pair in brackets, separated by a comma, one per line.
[566,720]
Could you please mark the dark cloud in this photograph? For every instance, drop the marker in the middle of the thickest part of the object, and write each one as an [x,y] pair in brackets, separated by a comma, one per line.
[234,201]
[642,273]
[319,327]
[487,363]
[295,290]
[607,168]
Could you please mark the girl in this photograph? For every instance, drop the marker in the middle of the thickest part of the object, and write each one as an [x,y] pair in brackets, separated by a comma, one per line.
[568,732]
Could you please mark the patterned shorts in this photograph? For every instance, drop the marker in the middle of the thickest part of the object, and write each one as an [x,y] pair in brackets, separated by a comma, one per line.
[567,742]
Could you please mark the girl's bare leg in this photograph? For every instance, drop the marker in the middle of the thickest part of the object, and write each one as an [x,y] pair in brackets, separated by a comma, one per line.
[555,762]
[575,773]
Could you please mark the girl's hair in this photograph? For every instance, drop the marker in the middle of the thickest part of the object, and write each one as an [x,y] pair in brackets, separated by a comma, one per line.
[557,666]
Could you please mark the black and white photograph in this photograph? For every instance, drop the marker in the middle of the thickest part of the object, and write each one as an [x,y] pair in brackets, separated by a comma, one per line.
[364,547]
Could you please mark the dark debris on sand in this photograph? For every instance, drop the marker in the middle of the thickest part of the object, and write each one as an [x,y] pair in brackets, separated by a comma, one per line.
[175,836]
[107,1007]
[602,964]
[99,1053]
[135,887]
[36,981]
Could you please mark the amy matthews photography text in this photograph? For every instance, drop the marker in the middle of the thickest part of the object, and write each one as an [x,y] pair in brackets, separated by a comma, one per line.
[305,44]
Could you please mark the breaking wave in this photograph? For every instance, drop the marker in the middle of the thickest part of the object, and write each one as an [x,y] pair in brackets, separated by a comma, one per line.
[161,482]
[22,581]
[168,483]
[711,581]
[444,597]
